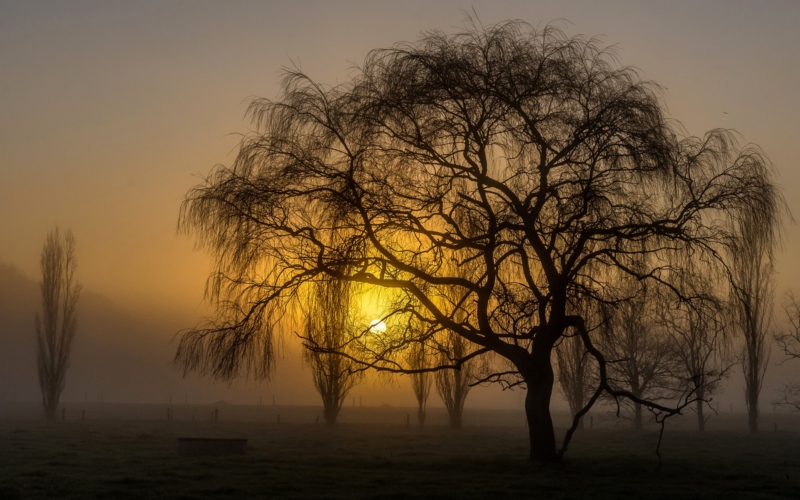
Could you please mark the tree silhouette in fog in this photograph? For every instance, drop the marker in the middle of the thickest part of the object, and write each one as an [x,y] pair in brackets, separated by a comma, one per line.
[573,361]
[699,336]
[789,342]
[638,351]
[453,384]
[531,157]
[421,378]
[328,325]
[58,323]
[752,289]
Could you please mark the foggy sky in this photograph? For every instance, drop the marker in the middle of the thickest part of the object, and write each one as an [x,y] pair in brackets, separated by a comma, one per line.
[111,111]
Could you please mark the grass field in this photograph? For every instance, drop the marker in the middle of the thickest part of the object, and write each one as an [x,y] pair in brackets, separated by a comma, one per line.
[369,457]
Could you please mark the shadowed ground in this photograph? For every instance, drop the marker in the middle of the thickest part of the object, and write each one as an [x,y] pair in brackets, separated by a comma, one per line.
[138,459]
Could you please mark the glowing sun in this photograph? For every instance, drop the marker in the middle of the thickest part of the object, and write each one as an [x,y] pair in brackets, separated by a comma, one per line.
[377,326]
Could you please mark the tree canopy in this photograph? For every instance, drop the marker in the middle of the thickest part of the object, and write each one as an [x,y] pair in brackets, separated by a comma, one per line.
[488,181]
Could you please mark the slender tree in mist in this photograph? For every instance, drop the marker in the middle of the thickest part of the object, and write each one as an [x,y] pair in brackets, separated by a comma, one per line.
[56,326]
[329,322]
[529,155]
[421,379]
[575,364]
[752,287]
[453,384]
[573,374]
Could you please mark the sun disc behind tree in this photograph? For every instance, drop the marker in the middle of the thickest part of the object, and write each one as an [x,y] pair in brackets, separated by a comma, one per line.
[377,326]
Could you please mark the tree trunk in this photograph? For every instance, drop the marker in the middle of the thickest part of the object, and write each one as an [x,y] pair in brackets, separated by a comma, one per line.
[455,419]
[701,419]
[637,391]
[421,416]
[752,407]
[331,414]
[539,379]
[637,416]
[51,404]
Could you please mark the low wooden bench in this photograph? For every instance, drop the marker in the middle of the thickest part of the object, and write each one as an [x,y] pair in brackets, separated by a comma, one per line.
[211,447]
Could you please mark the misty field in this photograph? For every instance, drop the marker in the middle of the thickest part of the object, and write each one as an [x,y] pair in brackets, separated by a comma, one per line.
[372,453]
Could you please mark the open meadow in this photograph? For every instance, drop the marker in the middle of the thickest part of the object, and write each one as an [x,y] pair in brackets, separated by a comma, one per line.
[373,453]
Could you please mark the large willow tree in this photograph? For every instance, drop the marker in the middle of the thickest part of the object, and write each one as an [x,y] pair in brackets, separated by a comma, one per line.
[526,155]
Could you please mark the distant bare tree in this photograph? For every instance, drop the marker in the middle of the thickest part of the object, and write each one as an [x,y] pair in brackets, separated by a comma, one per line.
[575,366]
[56,327]
[573,375]
[752,287]
[791,396]
[789,342]
[639,356]
[421,380]
[697,334]
[329,325]
[453,385]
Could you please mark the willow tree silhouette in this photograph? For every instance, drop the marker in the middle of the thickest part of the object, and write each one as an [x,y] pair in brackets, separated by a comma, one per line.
[752,287]
[329,324]
[453,385]
[573,361]
[56,327]
[526,154]
[421,378]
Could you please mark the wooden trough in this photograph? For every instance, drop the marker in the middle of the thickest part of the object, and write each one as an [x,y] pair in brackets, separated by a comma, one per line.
[211,447]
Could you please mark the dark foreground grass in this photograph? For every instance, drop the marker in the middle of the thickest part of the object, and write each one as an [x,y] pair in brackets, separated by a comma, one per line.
[139,460]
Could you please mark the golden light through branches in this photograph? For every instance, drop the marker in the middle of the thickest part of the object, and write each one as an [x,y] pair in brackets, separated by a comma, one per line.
[377,326]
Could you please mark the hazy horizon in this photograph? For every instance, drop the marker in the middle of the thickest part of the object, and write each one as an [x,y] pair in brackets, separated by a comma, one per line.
[113,110]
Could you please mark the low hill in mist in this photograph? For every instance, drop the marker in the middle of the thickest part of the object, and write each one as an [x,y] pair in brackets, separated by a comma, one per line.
[116,354]
[126,357]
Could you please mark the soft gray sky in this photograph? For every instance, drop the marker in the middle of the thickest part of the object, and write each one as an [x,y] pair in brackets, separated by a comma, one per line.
[110,110]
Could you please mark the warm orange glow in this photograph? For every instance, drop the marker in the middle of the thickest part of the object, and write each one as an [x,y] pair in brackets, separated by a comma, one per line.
[136,104]
[372,305]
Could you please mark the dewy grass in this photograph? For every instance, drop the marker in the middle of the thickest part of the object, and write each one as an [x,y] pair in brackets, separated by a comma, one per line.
[138,459]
